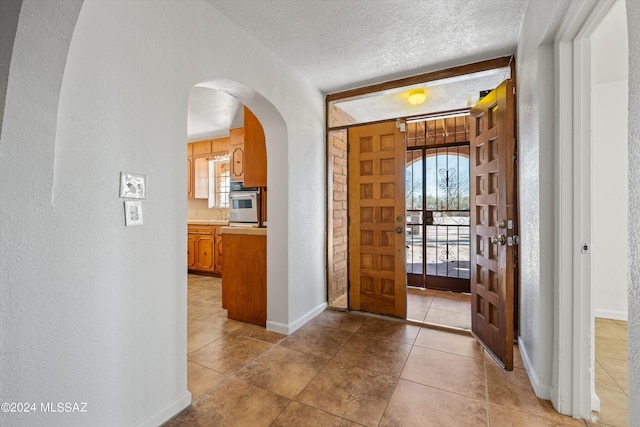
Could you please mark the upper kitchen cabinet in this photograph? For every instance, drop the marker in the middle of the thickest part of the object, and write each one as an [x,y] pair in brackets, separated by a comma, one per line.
[236,154]
[198,156]
[201,177]
[202,148]
[189,170]
[255,161]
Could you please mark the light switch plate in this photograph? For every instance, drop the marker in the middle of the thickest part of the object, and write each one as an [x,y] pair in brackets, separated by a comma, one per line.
[132,213]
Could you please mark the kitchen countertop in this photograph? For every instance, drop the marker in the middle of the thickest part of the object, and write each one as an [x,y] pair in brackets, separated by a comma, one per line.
[248,231]
[207,222]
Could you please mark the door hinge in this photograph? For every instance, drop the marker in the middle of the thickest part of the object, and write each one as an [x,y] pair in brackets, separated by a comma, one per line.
[515,157]
[514,90]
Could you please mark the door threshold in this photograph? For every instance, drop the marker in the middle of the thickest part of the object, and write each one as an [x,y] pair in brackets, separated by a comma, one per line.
[439,327]
[428,325]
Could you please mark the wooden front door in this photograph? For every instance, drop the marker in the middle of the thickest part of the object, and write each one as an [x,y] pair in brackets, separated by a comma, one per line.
[492,221]
[377,279]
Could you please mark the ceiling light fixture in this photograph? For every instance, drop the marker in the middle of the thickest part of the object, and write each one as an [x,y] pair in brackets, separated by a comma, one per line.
[417,96]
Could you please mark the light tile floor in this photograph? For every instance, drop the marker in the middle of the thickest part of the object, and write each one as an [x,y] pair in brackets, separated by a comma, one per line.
[612,375]
[346,369]
[452,309]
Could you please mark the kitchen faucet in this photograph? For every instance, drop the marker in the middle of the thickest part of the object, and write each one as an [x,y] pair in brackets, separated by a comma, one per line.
[219,210]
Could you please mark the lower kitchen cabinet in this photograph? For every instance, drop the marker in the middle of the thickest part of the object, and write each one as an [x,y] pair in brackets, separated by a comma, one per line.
[244,283]
[204,249]
[191,251]
[218,249]
[205,253]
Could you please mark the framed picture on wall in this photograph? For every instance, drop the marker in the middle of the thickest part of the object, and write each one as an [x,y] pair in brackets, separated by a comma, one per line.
[133,185]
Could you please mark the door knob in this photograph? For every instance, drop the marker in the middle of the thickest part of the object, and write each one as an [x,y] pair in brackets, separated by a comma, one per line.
[498,239]
[398,230]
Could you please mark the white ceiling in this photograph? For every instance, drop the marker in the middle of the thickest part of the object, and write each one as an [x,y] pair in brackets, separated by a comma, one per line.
[212,113]
[343,44]
[454,93]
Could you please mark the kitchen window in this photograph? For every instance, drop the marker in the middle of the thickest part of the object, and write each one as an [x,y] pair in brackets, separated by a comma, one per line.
[219,182]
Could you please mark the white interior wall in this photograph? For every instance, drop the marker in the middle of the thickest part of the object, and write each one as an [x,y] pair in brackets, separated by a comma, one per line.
[535,91]
[9,12]
[93,311]
[609,165]
[633,28]
[43,337]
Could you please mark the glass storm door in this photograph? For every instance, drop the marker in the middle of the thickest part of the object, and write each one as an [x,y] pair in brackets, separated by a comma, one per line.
[437,210]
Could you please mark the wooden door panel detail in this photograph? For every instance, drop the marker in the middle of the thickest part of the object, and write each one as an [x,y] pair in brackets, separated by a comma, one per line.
[376,208]
[492,276]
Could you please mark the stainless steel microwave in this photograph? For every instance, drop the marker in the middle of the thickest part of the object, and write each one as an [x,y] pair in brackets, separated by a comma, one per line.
[244,207]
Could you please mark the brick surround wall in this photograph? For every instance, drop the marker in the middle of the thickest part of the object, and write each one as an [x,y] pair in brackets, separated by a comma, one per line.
[337,246]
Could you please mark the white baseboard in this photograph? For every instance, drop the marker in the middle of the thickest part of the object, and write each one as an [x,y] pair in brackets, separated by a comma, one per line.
[543,391]
[595,402]
[290,328]
[278,327]
[166,412]
[612,314]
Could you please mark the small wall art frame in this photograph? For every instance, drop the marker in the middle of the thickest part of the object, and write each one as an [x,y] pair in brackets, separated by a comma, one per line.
[133,185]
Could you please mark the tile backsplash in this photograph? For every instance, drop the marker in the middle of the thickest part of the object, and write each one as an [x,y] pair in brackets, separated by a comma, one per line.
[197,210]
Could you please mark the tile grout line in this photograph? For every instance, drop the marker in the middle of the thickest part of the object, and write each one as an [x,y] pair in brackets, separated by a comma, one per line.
[486,389]
[611,376]
[398,378]
[329,360]
[231,374]
[448,352]
[350,339]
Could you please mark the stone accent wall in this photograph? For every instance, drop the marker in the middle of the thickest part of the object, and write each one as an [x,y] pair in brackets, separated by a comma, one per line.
[337,245]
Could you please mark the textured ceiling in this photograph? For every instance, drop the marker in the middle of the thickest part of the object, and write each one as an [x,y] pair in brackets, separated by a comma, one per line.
[343,44]
[212,113]
[340,44]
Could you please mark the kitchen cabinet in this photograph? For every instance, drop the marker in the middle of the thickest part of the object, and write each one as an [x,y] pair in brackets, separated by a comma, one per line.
[202,148]
[244,282]
[218,249]
[201,177]
[189,176]
[236,154]
[189,170]
[191,252]
[198,155]
[255,152]
[263,207]
[203,253]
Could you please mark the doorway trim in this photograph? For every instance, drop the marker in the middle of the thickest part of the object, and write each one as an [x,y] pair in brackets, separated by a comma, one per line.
[573,345]
[336,218]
